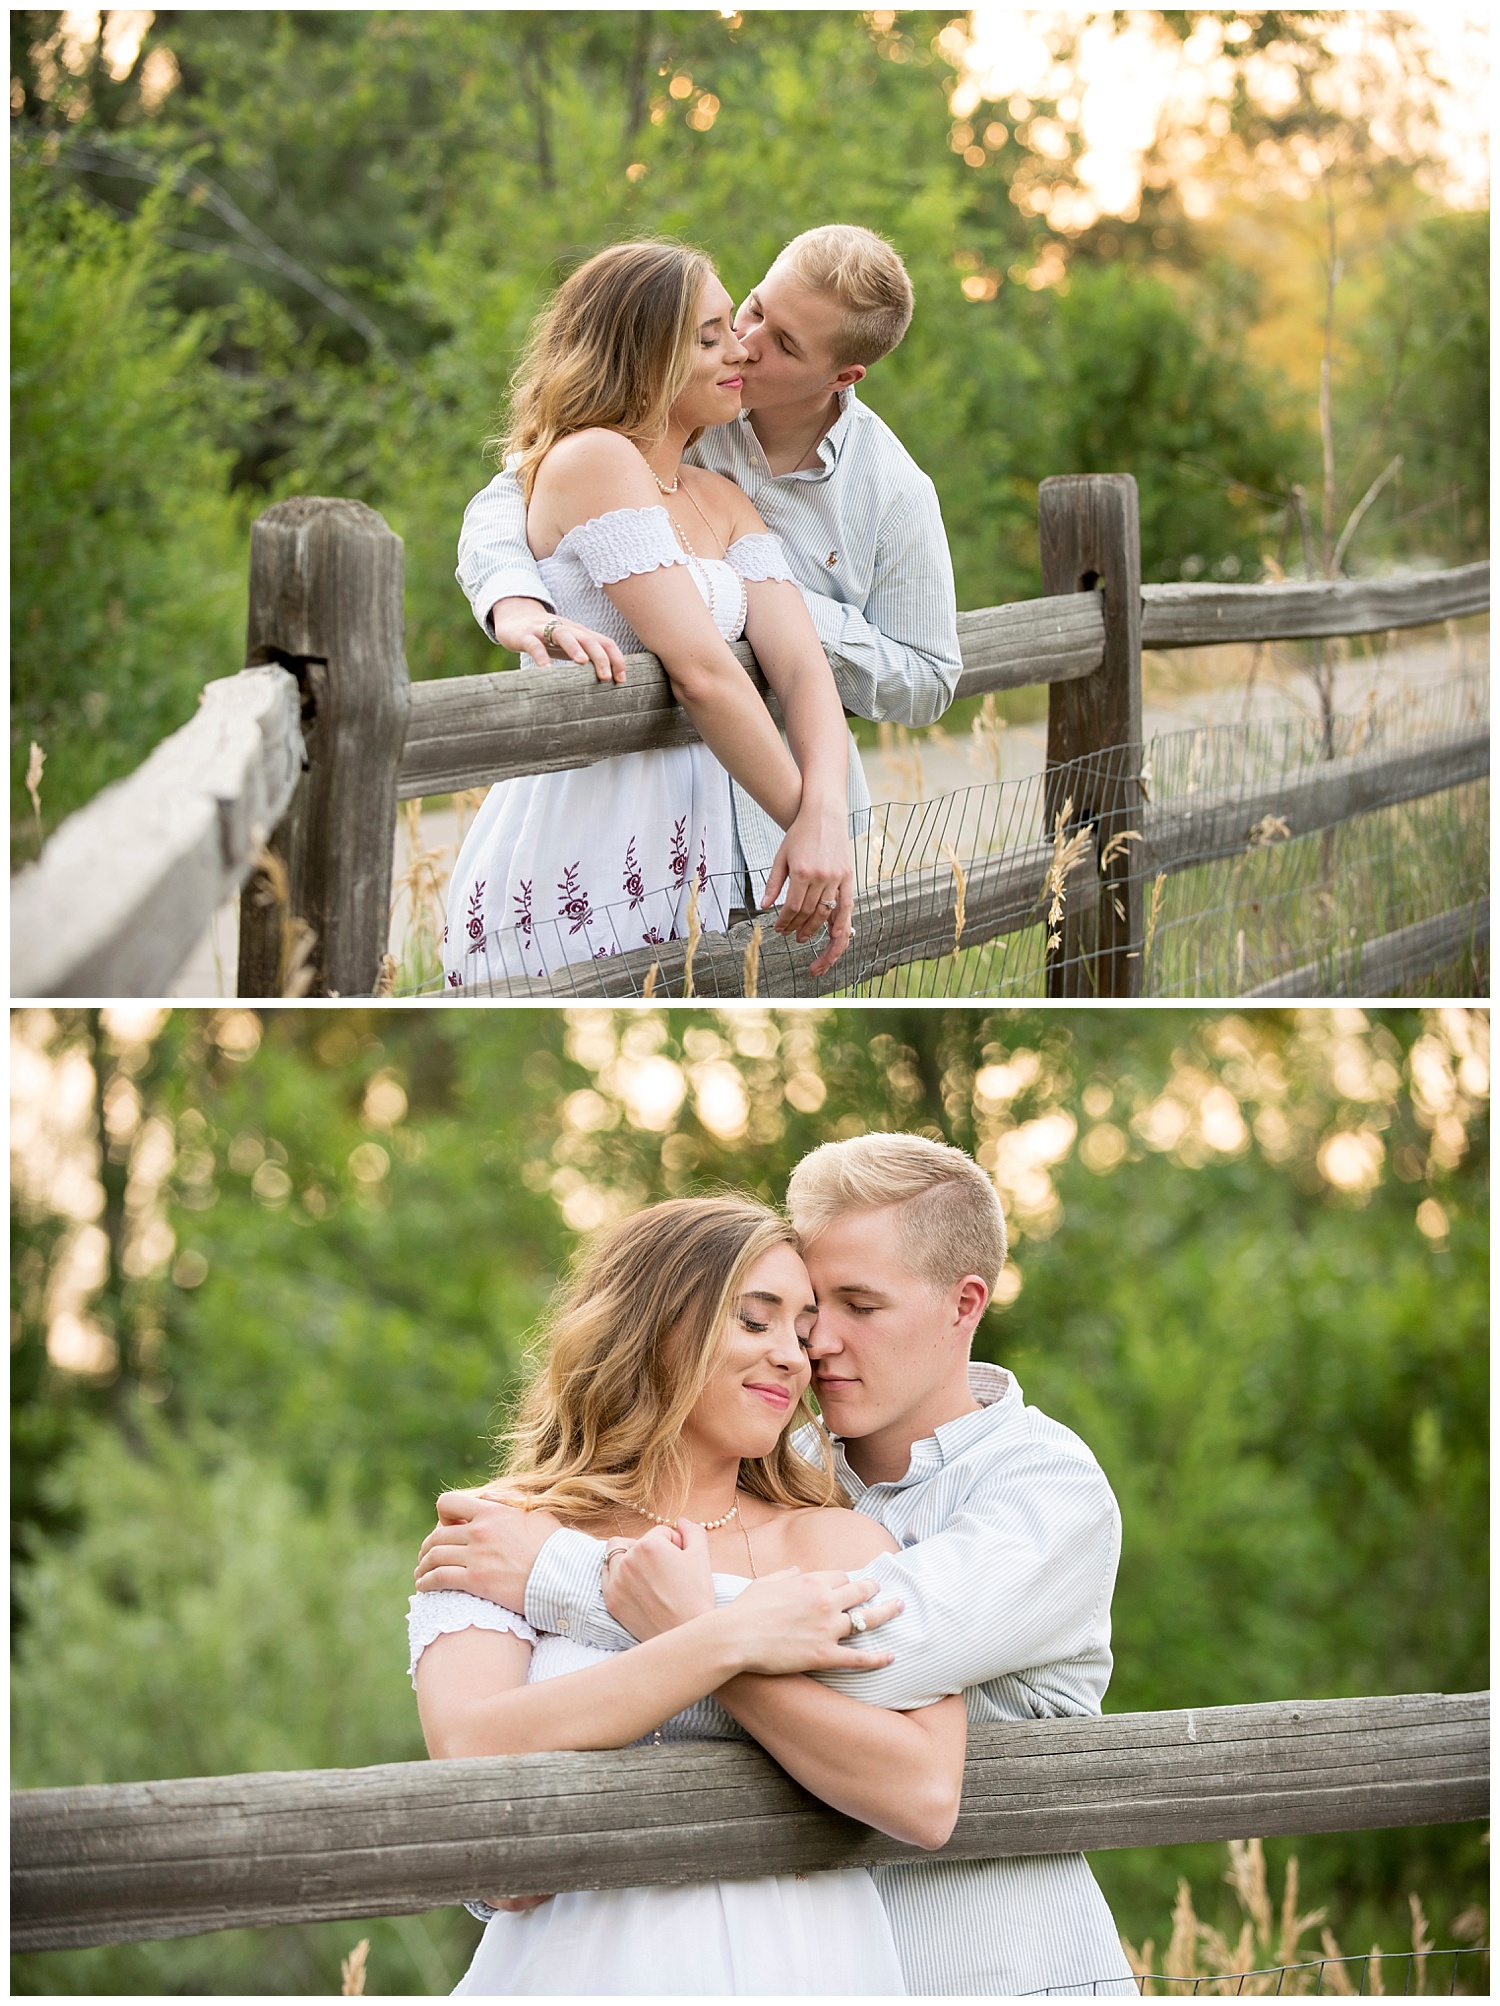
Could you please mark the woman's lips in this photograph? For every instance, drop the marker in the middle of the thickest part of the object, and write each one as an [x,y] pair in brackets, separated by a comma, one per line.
[774,1396]
[731,382]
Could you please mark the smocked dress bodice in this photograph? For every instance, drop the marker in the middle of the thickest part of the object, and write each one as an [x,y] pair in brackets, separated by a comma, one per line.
[627,542]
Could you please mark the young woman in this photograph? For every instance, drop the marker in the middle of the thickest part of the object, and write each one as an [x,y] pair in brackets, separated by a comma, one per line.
[635,355]
[673,1376]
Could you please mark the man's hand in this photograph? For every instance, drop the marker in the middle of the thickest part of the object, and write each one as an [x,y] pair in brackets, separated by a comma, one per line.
[482,1546]
[522,624]
[655,1583]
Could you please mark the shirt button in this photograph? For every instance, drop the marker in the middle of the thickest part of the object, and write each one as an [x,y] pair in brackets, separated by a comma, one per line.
[562,1622]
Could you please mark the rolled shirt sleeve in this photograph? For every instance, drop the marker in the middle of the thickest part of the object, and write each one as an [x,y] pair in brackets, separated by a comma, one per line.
[494,558]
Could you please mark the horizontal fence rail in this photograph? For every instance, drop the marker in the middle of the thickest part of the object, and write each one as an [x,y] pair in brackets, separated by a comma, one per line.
[1199,616]
[126,886]
[1193,829]
[469,731]
[1380,967]
[127,1862]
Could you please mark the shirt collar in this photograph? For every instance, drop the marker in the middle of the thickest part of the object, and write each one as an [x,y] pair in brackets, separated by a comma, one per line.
[1000,1403]
[829,446]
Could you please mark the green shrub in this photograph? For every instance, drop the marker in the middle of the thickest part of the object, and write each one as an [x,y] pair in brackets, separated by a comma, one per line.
[127,554]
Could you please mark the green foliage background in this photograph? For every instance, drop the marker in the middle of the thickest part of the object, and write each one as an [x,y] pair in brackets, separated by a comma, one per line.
[432,175]
[1285,1380]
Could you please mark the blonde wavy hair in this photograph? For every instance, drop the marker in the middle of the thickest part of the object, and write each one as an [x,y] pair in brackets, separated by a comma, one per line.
[628,1345]
[612,347]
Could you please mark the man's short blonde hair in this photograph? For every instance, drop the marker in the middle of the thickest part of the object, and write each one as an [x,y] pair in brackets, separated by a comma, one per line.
[949,1221]
[865,276]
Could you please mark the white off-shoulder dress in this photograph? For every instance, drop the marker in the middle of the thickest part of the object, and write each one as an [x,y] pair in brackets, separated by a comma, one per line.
[575,866]
[824,1933]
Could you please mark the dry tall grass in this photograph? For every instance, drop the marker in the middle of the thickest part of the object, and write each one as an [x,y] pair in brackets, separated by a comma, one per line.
[1200,1959]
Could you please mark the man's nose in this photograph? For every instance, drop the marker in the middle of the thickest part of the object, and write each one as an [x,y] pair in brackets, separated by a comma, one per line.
[823,1340]
[737,350]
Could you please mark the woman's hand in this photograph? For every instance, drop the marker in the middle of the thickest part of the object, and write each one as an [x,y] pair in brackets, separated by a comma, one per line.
[795,1622]
[526,626]
[815,867]
[654,1583]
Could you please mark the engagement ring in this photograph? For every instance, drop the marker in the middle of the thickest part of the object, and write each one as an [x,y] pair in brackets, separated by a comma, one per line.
[857,1623]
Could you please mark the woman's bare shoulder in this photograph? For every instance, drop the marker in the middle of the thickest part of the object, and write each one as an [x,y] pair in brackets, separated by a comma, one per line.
[598,464]
[835,1538]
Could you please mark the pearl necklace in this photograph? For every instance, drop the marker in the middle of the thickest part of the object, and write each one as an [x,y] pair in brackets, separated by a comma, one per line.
[677,482]
[740,625]
[708,1524]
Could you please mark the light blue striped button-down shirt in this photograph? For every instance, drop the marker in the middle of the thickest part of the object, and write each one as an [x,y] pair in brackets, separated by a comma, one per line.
[1010,1539]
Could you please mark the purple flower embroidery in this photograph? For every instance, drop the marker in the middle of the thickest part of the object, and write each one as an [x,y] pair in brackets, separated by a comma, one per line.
[455,981]
[474,924]
[574,900]
[635,884]
[653,938]
[604,953]
[679,852]
[703,865]
[522,903]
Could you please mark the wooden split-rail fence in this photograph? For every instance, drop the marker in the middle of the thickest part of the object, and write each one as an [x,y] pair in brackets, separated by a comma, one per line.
[306,753]
[124,1862]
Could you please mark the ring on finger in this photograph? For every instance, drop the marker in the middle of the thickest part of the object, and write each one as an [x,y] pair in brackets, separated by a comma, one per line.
[857,1623]
[613,1551]
[549,633]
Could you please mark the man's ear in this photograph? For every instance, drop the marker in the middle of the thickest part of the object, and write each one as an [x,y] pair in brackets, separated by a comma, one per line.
[971,1299]
[847,378]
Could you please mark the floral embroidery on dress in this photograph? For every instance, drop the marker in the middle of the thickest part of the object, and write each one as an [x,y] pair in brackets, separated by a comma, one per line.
[635,884]
[679,852]
[522,903]
[574,900]
[455,980]
[703,864]
[653,937]
[604,953]
[474,924]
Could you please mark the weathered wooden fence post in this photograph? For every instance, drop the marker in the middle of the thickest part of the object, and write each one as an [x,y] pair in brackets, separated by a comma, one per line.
[1091,541]
[326,602]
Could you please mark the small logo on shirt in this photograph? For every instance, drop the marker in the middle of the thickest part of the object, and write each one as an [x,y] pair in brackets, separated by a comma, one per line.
[831,559]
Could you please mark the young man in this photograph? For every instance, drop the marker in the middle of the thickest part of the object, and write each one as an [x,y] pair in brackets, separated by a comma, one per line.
[858,518]
[1010,1539]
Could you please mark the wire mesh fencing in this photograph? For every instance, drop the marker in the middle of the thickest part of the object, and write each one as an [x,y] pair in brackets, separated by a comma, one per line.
[1375,1974]
[994,889]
